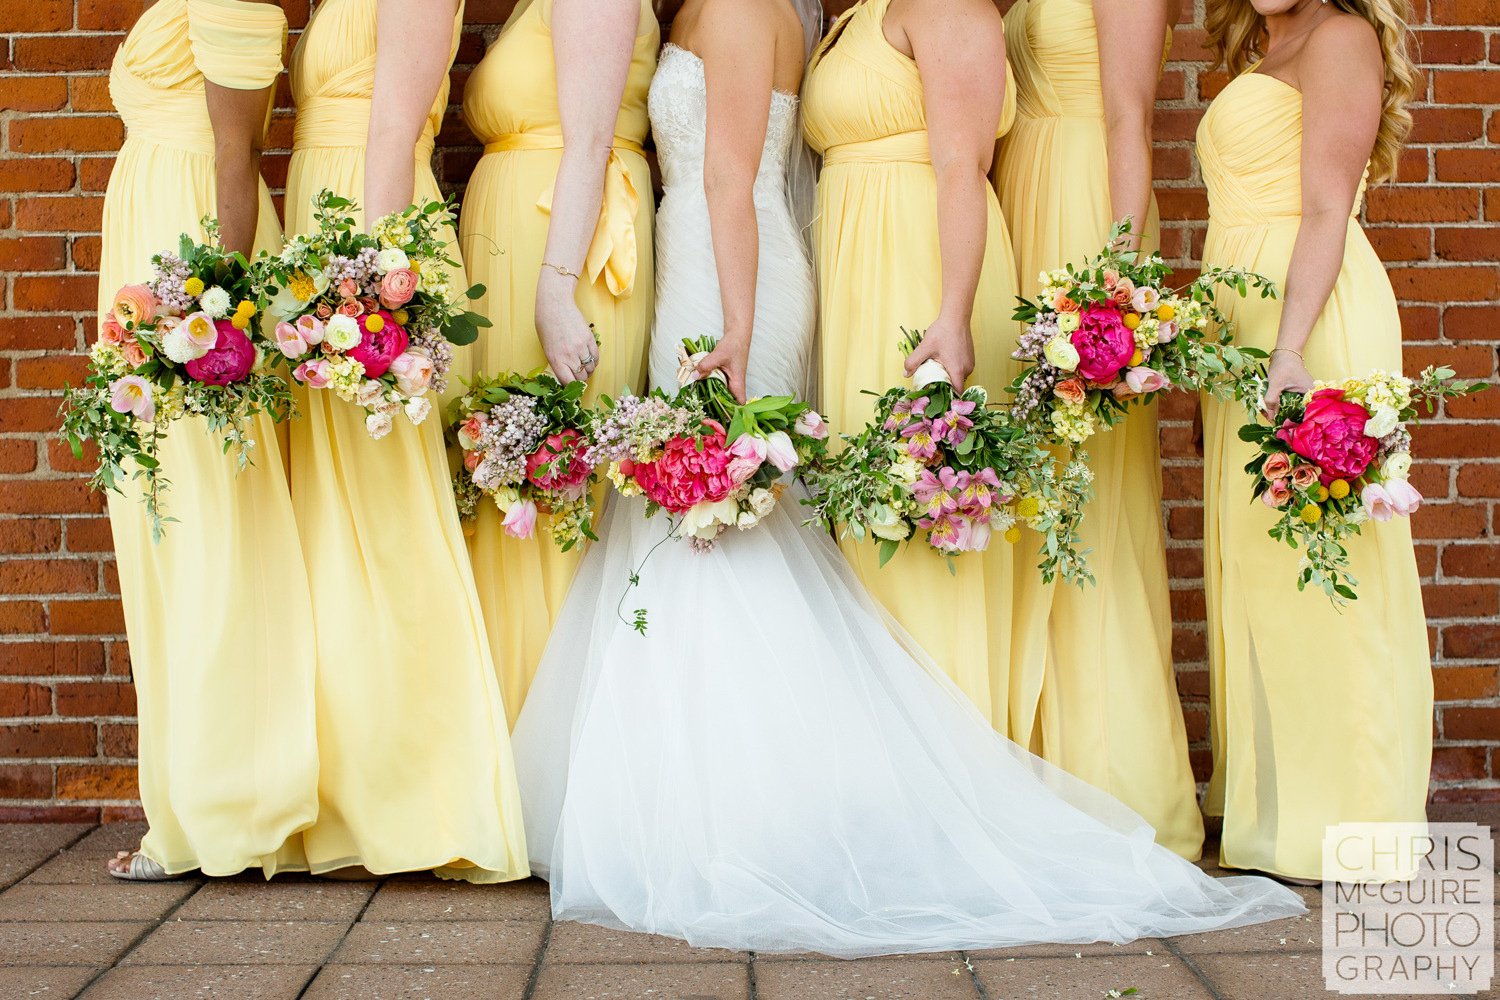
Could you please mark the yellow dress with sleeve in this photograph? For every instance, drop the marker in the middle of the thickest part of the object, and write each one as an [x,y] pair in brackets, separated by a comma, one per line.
[510,103]
[879,269]
[217,614]
[1319,715]
[417,771]
[1093,690]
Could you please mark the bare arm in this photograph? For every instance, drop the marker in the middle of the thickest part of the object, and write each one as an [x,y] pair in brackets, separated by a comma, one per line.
[959,47]
[592,44]
[738,46]
[1131,39]
[1341,76]
[238,116]
[413,48]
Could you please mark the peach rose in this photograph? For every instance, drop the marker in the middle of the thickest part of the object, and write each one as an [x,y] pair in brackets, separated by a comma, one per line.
[1071,391]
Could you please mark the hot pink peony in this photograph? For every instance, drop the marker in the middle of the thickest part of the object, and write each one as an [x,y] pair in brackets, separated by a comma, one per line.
[379,347]
[1332,436]
[1103,342]
[228,361]
[397,287]
[557,464]
[691,470]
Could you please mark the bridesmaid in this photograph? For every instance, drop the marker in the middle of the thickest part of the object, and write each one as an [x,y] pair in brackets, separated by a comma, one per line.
[904,100]
[1317,107]
[221,636]
[416,764]
[1092,684]
[557,227]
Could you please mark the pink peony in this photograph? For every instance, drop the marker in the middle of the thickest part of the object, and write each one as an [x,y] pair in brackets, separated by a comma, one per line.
[134,305]
[557,464]
[1278,466]
[691,470]
[1332,436]
[228,361]
[313,374]
[520,520]
[397,287]
[1104,344]
[1405,500]
[378,348]
[1377,502]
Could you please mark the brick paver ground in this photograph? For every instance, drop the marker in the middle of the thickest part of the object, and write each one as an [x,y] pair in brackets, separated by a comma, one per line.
[68,930]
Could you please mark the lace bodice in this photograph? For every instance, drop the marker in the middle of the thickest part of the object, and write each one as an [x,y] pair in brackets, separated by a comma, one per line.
[679,114]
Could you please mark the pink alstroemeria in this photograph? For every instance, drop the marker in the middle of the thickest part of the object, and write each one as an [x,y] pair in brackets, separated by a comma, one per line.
[953,426]
[904,410]
[921,443]
[932,493]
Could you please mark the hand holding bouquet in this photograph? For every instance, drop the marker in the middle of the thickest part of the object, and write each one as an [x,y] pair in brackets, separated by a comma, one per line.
[944,464]
[180,345]
[1110,333]
[1337,457]
[525,448]
[371,317]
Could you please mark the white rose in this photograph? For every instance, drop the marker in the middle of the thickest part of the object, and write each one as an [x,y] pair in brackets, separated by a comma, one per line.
[370,392]
[1061,354]
[1382,422]
[762,502]
[378,424]
[341,333]
[215,302]
[747,519]
[1397,466]
[180,347]
[886,523]
[417,409]
[391,259]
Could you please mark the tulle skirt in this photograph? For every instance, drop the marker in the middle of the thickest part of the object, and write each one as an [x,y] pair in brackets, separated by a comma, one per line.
[768,768]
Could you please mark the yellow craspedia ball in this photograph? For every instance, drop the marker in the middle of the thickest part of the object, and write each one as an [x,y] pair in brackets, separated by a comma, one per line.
[1028,507]
[1165,312]
[1132,320]
[1312,513]
[374,323]
[239,321]
[1013,534]
[400,316]
[246,308]
[193,286]
[1338,489]
[1137,357]
[1320,493]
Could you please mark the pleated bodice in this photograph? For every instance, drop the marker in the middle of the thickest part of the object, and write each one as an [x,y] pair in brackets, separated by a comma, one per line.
[1053,46]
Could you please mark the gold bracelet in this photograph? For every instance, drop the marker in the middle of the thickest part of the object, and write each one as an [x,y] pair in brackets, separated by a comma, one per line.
[1287,350]
[562,271]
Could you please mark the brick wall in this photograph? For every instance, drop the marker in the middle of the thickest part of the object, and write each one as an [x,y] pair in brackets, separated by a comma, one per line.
[67,733]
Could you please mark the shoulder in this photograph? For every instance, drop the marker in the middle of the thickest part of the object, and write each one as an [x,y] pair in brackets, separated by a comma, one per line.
[1342,39]
[979,19]
[747,15]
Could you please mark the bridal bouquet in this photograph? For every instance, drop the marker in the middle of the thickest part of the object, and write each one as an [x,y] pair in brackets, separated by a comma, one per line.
[1109,333]
[524,445]
[371,317]
[179,345]
[945,465]
[1338,457]
[710,462]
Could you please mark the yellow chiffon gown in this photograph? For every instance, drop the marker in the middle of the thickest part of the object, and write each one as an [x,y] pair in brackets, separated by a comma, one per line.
[221,635]
[878,261]
[510,103]
[417,771]
[1093,690]
[1319,716]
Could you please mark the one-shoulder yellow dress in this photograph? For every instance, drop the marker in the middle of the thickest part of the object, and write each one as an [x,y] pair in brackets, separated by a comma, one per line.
[510,103]
[878,271]
[1093,689]
[417,771]
[1319,716]
[218,617]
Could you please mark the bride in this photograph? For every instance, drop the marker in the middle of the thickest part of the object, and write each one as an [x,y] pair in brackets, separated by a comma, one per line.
[772,767]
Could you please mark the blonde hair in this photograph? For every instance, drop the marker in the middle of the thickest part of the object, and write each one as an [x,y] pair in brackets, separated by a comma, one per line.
[1237,35]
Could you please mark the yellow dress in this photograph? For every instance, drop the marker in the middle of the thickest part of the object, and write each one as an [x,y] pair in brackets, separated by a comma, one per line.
[878,270]
[510,103]
[1318,716]
[417,771]
[221,634]
[1092,685]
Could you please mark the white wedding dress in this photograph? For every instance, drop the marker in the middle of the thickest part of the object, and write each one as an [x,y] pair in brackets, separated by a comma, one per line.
[769,767]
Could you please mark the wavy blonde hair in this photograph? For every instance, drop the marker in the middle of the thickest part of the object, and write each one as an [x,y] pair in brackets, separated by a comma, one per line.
[1237,36]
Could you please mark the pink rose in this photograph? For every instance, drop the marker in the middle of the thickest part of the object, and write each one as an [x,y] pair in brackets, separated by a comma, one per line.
[471,430]
[1104,344]
[413,371]
[324,310]
[1144,380]
[1278,466]
[1071,390]
[134,354]
[1123,292]
[228,361]
[397,287]
[290,342]
[348,289]
[749,452]
[472,460]
[1405,500]
[1061,303]
[369,303]
[520,520]
[134,305]
[557,464]
[313,374]
[378,348]
[110,331]
[350,308]
[1277,495]
[691,470]
[1377,502]
[1303,476]
[1332,436]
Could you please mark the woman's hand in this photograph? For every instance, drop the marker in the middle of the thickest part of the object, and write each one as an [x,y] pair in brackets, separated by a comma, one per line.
[1286,373]
[567,339]
[731,355]
[950,344]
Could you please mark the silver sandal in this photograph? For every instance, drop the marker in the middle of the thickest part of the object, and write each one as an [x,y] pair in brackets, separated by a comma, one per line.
[140,869]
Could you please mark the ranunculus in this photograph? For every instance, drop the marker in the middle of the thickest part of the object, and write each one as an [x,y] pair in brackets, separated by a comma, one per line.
[1071,390]
[380,346]
[313,374]
[391,259]
[378,425]
[557,463]
[132,394]
[341,333]
[1377,502]
[133,353]
[1382,422]
[520,520]
[110,330]
[134,304]
[1332,436]
[780,450]
[1397,465]
[811,424]
[1303,476]
[1277,466]
[397,287]
[1277,494]
[1104,343]
[691,470]
[230,360]
[290,342]
[762,502]
[1405,500]
[417,409]
[748,453]
[1061,354]
[1068,322]
[413,372]
[1144,380]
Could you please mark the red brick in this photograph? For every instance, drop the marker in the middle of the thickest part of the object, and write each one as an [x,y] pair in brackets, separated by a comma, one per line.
[22,617]
[79,133]
[118,739]
[86,617]
[36,173]
[48,739]
[38,333]
[34,93]
[18,699]
[92,698]
[64,53]
[94,782]
[28,535]
[1459,764]
[1465,683]
[37,15]
[1471,724]
[17,455]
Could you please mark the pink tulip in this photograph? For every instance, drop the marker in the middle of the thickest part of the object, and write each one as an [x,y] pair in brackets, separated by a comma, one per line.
[313,374]
[1144,380]
[781,452]
[132,394]
[1405,500]
[1378,503]
[747,454]
[520,520]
